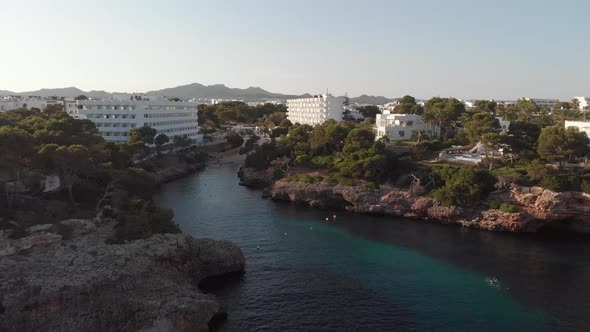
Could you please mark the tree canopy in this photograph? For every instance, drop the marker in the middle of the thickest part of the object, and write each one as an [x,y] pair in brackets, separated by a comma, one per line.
[561,145]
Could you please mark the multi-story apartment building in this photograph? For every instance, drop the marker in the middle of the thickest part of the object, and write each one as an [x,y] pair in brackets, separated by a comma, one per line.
[114,118]
[400,127]
[12,103]
[315,110]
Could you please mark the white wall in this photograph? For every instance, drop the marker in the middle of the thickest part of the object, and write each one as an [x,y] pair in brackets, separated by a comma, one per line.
[315,110]
[115,119]
[399,127]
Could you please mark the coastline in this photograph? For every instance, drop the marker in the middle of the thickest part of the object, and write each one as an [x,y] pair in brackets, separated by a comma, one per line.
[69,276]
[85,283]
[536,208]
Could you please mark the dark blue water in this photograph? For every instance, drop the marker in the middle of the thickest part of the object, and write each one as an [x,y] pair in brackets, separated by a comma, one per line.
[363,273]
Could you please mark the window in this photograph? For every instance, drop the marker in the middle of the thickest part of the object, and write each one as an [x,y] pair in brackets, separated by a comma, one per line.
[402,133]
[410,123]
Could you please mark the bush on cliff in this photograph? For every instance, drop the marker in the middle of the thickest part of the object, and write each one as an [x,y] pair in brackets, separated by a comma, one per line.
[463,186]
[143,219]
[561,182]
[508,208]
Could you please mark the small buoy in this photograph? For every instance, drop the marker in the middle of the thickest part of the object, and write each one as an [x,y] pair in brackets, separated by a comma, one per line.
[311,228]
[257,247]
[285,233]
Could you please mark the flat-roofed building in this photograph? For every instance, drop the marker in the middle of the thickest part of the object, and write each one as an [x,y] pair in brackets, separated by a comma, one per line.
[115,118]
[400,127]
[315,110]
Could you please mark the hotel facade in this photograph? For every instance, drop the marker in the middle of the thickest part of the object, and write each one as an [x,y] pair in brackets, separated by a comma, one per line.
[315,110]
[114,119]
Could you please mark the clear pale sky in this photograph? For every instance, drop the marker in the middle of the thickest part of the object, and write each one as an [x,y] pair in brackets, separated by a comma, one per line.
[462,48]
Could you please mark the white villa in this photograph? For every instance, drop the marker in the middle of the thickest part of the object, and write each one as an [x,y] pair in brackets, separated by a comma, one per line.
[399,127]
[315,110]
[115,118]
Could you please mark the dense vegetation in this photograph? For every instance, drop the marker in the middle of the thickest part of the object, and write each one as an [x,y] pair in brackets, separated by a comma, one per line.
[232,112]
[347,152]
[93,172]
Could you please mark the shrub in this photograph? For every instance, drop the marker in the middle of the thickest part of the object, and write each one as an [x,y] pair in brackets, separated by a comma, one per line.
[536,170]
[464,186]
[494,205]
[508,208]
[566,182]
[586,186]
[371,186]
[235,139]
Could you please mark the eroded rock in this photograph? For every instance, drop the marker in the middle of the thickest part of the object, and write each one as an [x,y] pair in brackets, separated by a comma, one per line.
[86,284]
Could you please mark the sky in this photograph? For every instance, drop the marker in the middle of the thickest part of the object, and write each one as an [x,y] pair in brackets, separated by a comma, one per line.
[460,48]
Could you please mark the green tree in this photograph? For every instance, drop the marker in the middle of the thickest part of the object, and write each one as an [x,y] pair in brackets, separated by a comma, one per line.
[509,113]
[442,113]
[70,161]
[488,106]
[480,124]
[537,170]
[369,111]
[526,108]
[53,108]
[463,186]
[407,105]
[81,97]
[564,111]
[17,147]
[522,140]
[182,141]
[561,145]
[160,140]
[145,135]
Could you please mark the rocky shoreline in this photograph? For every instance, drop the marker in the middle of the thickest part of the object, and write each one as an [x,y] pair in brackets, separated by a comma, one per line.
[68,276]
[84,283]
[537,208]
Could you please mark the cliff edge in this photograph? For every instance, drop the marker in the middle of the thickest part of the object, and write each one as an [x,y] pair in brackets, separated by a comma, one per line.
[85,284]
[536,207]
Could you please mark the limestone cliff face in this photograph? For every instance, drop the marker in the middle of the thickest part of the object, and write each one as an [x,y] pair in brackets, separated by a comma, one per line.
[84,284]
[537,207]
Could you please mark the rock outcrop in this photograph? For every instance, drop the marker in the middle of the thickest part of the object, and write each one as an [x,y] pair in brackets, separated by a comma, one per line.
[250,177]
[537,207]
[174,172]
[85,284]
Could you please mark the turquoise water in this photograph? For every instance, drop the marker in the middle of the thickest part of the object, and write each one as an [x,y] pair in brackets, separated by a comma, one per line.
[377,273]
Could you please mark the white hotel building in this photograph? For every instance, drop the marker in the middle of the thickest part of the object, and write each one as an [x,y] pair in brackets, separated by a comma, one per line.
[114,119]
[315,110]
[400,127]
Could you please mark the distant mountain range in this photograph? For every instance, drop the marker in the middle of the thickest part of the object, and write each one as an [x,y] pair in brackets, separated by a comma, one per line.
[194,90]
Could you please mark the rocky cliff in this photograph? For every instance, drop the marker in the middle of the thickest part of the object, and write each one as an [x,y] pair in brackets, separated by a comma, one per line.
[537,207]
[84,284]
[253,178]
